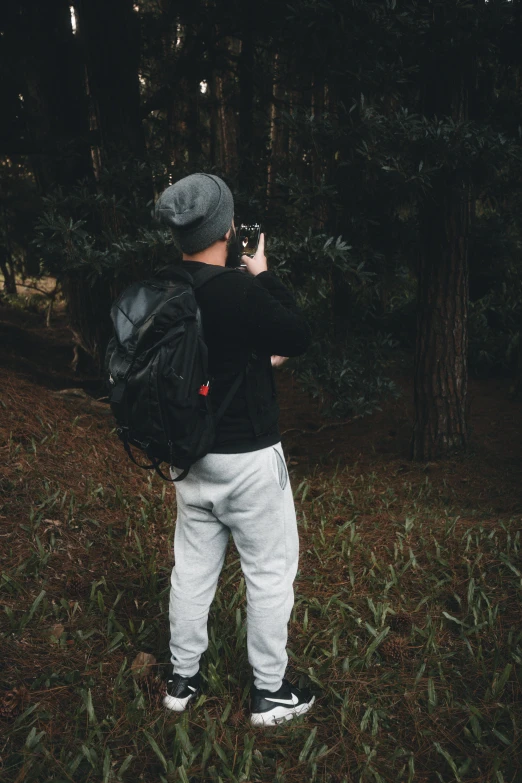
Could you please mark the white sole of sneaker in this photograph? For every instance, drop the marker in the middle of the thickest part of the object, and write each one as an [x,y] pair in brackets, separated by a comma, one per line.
[177,705]
[279,714]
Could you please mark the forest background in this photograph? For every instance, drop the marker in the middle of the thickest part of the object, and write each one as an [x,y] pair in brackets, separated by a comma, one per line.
[380,146]
[378,143]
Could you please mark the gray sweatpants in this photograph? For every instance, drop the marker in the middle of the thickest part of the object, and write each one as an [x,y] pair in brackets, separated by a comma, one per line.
[248,495]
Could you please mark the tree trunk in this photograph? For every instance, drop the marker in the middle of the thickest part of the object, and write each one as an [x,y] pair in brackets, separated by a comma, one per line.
[194,147]
[55,102]
[517,386]
[183,143]
[88,314]
[279,136]
[8,273]
[246,103]
[227,110]
[223,120]
[320,161]
[217,154]
[109,34]
[6,258]
[441,368]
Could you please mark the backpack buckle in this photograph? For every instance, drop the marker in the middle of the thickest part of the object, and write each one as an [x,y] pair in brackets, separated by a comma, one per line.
[204,389]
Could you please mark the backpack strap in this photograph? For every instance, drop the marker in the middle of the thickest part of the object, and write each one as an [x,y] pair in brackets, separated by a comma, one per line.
[154,464]
[198,279]
[202,276]
[230,394]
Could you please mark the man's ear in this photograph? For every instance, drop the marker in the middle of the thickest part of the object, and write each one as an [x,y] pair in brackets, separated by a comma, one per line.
[228,235]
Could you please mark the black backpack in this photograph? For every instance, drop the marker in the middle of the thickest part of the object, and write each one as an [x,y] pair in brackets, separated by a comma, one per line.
[157,371]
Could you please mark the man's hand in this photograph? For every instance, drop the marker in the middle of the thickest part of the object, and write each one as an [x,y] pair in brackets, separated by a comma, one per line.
[277,361]
[257,263]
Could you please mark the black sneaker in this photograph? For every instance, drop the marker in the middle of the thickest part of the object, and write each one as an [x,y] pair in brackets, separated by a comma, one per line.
[180,691]
[268,709]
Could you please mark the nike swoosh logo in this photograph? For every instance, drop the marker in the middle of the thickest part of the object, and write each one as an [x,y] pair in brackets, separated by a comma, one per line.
[191,688]
[292,702]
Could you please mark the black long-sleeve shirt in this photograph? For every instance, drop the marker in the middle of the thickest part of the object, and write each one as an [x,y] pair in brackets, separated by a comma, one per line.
[246,320]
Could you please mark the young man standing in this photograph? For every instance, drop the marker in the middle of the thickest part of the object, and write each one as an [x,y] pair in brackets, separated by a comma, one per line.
[250,321]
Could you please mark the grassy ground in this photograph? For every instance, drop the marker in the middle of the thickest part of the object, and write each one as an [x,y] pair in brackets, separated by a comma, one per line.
[406,621]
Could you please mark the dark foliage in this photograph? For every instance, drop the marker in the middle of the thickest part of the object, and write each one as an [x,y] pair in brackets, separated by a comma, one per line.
[343,127]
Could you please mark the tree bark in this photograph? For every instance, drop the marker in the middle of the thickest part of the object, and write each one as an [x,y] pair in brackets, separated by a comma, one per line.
[517,386]
[279,134]
[55,103]
[246,102]
[6,258]
[88,314]
[441,368]
[8,273]
[183,143]
[224,139]
[110,39]
[441,365]
[320,161]
[227,111]
[109,33]
[216,129]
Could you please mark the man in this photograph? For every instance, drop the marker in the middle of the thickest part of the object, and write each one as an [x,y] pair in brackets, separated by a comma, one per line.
[241,487]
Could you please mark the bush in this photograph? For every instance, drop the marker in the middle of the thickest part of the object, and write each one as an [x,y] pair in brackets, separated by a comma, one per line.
[346,367]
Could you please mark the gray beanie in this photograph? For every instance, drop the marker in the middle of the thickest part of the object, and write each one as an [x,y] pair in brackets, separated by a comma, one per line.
[199,209]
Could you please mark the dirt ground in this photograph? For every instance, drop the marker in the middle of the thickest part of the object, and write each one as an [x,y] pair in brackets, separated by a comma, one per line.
[81,525]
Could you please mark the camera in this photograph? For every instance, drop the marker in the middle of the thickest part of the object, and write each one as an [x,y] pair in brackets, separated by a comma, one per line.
[248,238]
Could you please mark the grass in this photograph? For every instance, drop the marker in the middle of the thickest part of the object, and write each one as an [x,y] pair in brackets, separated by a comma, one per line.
[406,622]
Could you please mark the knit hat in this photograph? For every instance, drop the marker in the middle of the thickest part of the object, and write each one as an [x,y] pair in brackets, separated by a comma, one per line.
[199,209]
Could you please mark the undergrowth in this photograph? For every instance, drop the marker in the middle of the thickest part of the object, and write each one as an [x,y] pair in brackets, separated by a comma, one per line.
[406,623]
